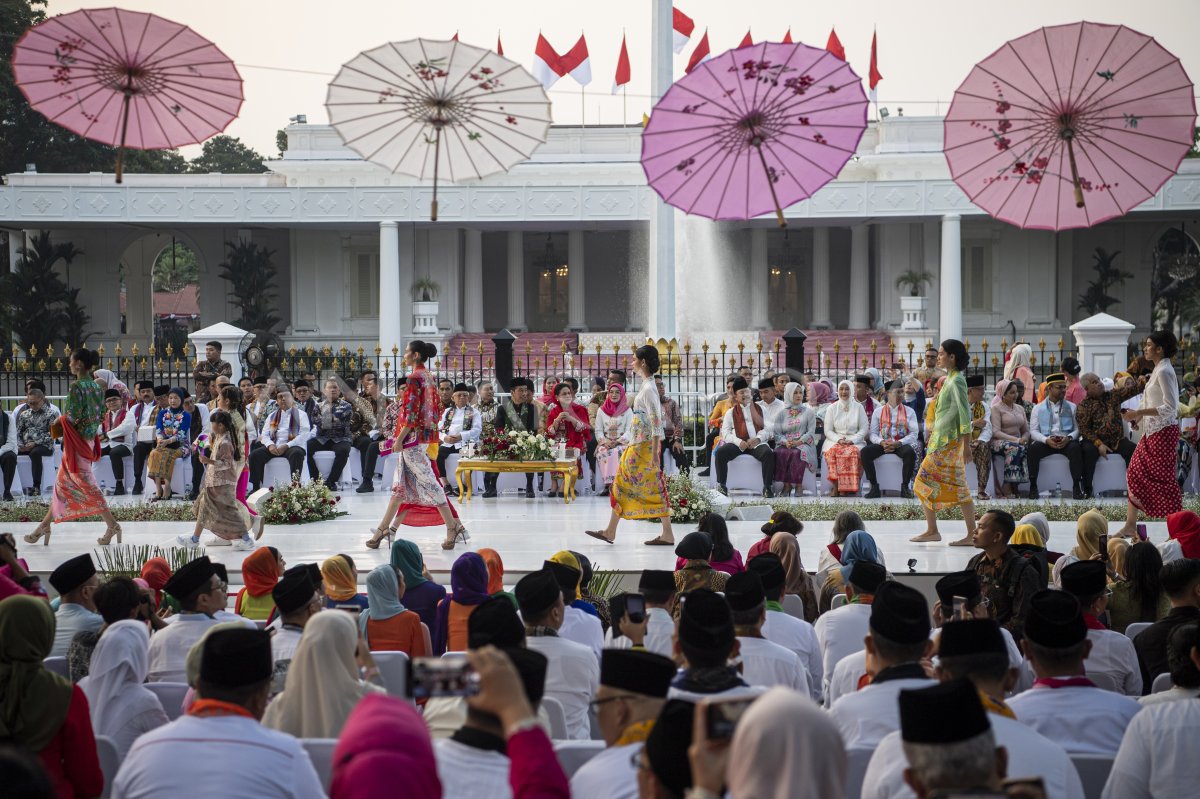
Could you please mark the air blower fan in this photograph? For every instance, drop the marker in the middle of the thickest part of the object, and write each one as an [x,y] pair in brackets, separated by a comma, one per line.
[262,352]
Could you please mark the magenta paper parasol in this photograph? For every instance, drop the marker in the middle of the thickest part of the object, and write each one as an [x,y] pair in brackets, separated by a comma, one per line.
[1069,126]
[754,130]
[127,79]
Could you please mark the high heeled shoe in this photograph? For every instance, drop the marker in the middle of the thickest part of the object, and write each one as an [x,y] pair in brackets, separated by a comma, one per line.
[112,530]
[459,532]
[42,531]
[378,535]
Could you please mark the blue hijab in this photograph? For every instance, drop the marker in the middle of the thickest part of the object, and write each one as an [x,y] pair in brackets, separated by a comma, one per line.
[383,596]
[859,546]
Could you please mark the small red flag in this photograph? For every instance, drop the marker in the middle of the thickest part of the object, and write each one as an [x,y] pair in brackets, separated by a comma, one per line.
[746,40]
[875,75]
[499,46]
[787,37]
[834,45]
[623,70]
[454,38]
[699,54]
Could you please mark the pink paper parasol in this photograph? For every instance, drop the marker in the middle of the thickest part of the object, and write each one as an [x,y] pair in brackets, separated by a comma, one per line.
[1069,126]
[754,130]
[127,79]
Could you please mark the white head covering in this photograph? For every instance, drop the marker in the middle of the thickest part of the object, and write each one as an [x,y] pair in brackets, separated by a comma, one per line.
[841,409]
[789,394]
[1040,522]
[114,685]
[1022,355]
[800,742]
[322,684]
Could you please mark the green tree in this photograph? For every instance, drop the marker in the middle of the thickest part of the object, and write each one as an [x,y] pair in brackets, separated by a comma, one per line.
[75,320]
[227,154]
[251,276]
[174,268]
[1097,299]
[281,141]
[34,293]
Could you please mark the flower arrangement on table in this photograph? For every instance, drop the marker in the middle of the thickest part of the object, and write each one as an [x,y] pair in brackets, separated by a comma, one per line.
[689,500]
[301,503]
[516,445]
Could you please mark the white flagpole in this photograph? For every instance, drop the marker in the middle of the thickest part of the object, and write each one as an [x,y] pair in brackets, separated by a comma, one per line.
[582,105]
[624,97]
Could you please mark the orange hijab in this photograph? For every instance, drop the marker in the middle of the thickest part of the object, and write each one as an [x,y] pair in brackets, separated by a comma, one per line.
[495,568]
[260,572]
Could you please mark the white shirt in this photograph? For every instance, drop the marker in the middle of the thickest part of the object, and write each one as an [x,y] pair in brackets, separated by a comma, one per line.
[1113,654]
[1029,755]
[284,643]
[1080,719]
[169,646]
[1056,411]
[457,419]
[582,628]
[729,428]
[767,664]
[1157,757]
[840,632]
[608,775]
[660,628]
[471,772]
[284,426]
[609,427]
[1172,694]
[851,424]
[866,716]
[892,433]
[846,674]
[771,417]
[69,620]
[1162,393]
[572,677]
[800,637]
[11,443]
[127,430]
[231,757]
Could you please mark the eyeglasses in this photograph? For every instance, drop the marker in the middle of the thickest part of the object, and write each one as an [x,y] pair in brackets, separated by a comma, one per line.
[595,704]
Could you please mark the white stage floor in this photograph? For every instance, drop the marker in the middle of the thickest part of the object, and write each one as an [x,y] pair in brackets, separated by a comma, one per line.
[524,532]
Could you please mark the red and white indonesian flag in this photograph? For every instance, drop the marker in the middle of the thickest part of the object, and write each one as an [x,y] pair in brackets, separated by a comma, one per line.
[699,55]
[577,63]
[683,27]
[623,71]
[547,64]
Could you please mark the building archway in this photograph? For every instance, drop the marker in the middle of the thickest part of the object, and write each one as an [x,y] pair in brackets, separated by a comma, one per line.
[1175,285]
[160,290]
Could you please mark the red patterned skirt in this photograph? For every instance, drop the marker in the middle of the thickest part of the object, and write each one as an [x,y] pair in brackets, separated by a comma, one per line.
[1151,474]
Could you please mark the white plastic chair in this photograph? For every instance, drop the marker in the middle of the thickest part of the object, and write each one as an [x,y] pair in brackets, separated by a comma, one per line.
[171,695]
[1132,630]
[837,601]
[320,752]
[110,762]
[856,768]
[25,470]
[1161,683]
[572,755]
[1110,475]
[277,472]
[180,478]
[102,472]
[393,670]
[793,606]
[558,718]
[1107,681]
[58,665]
[1093,771]
[1055,470]
[324,461]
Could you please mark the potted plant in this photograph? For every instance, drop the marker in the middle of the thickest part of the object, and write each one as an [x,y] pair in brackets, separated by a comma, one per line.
[425,306]
[913,306]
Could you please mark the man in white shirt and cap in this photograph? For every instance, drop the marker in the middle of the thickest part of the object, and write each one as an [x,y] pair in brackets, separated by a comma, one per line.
[657,587]
[1112,652]
[1063,704]
[1157,757]
[783,628]
[578,625]
[705,641]
[219,748]
[894,431]
[574,671]
[840,632]
[744,431]
[764,664]
[76,582]
[896,643]
[975,650]
[201,593]
[285,432]
[297,601]
[633,687]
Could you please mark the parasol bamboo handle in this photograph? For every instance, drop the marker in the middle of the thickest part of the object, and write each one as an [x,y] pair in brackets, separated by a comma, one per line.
[124,125]
[437,146]
[771,186]
[1074,173]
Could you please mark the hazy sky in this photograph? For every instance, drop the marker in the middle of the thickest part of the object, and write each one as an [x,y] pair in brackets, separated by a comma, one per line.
[926,47]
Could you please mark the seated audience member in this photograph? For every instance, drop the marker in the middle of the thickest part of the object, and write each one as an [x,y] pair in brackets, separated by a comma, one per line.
[297,602]
[771,404]
[764,663]
[221,614]
[1138,596]
[76,582]
[864,394]
[15,579]
[696,551]
[474,760]
[341,584]
[573,672]
[172,441]
[219,748]
[846,428]
[1181,584]
[40,711]
[1112,653]
[1063,704]
[725,557]
[633,689]
[421,593]
[965,584]
[1010,437]
[798,581]
[1157,756]
[121,706]
[33,421]
[897,641]
[613,422]
[284,433]
[115,440]
[116,599]
[657,587]
[1009,580]
[1185,674]
[717,415]
[460,424]
[201,593]
[567,423]
[599,605]
[468,590]
[894,431]
[663,771]
[744,430]
[1183,536]
[1101,429]
[1054,430]
[330,431]
[261,570]
[981,434]
[705,641]
[780,522]
[381,440]
[784,629]
[795,440]
[9,444]
[323,683]
[975,650]
[518,413]
[859,545]
[386,625]
[840,632]
[580,620]
[845,523]
[1091,525]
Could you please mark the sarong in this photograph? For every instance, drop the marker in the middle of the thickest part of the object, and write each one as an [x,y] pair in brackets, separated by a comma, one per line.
[843,467]
[161,462]
[418,487]
[1016,469]
[639,490]
[1151,474]
[76,494]
[218,509]
[942,480]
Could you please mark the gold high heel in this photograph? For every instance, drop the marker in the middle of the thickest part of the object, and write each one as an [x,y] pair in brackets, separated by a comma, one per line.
[377,536]
[112,530]
[41,531]
[460,531]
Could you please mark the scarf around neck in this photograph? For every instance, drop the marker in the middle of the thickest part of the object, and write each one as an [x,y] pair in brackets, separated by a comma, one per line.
[613,409]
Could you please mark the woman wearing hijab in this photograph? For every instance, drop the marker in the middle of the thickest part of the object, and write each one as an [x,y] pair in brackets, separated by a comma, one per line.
[122,707]
[260,573]
[846,429]
[780,522]
[612,433]
[171,442]
[1088,529]
[468,590]
[1183,537]
[341,583]
[41,711]
[859,546]
[495,567]
[388,626]
[587,601]
[1017,367]
[796,441]
[1028,542]
[571,559]
[1010,437]
[725,557]
[322,686]
[797,581]
[567,422]
[421,594]
[845,523]
[107,380]
[156,572]
[696,549]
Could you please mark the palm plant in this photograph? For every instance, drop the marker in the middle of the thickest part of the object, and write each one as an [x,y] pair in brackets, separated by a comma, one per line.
[914,279]
[34,293]
[251,276]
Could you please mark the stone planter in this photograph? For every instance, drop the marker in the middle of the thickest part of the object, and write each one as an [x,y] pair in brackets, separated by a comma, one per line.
[425,316]
[913,310]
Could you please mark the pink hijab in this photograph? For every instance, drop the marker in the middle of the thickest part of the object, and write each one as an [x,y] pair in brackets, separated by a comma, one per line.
[821,393]
[1001,387]
[614,409]
[384,740]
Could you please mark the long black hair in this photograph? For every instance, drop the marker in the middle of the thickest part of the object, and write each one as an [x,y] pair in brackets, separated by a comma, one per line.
[224,419]
[714,525]
[1143,567]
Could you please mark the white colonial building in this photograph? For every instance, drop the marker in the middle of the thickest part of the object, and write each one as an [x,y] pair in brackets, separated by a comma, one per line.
[562,244]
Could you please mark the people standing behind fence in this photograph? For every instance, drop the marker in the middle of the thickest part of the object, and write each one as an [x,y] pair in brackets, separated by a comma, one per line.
[795,440]
[212,366]
[612,433]
[846,428]
[1010,437]
[284,434]
[107,380]
[33,435]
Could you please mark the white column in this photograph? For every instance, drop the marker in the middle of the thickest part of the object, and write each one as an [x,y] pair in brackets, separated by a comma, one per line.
[516,281]
[759,279]
[576,316]
[473,281]
[950,316]
[820,284]
[661,282]
[390,306]
[860,291]
[16,240]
